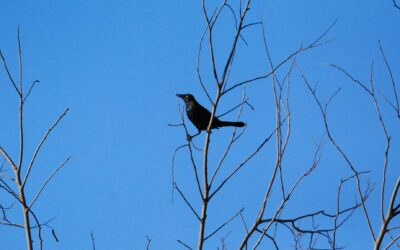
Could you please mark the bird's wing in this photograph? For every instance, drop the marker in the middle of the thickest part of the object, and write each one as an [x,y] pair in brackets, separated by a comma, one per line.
[199,116]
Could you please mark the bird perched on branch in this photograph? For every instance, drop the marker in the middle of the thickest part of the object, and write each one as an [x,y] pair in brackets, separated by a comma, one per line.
[200,116]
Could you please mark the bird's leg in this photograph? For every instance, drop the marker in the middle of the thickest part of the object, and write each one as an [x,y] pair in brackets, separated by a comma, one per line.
[190,137]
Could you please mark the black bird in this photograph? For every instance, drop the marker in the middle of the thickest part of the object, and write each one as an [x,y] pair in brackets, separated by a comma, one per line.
[200,116]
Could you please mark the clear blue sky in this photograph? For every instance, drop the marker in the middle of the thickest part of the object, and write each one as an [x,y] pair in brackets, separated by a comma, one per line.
[117,65]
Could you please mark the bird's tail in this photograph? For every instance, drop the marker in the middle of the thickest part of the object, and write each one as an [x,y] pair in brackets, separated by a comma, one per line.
[233,124]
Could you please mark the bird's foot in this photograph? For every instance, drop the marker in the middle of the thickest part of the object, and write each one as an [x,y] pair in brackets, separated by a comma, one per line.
[190,137]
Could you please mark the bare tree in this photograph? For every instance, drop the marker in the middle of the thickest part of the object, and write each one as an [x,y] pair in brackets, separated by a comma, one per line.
[389,210]
[16,185]
[267,224]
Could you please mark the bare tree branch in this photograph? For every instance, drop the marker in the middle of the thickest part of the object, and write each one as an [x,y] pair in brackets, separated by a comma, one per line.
[396,5]
[148,243]
[48,180]
[8,158]
[390,214]
[8,73]
[190,151]
[184,244]
[394,240]
[20,190]
[41,144]
[187,202]
[397,107]
[223,224]
[30,89]
[283,203]
[243,163]
[231,142]
[316,43]
[210,41]
[338,148]
[39,227]
[8,189]
[198,67]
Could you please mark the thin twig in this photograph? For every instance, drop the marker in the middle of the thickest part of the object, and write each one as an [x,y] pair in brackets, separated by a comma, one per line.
[316,43]
[8,158]
[337,147]
[198,67]
[231,142]
[94,242]
[8,73]
[396,5]
[244,222]
[394,240]
[190,150]
[48,180]
[236,107]
[397,108]
[314,164]
[223,225]
[184,244]
[148,243]
[41,144]
[187,202]
[243,163]
[173,168]
[30,89]
[8,189]
[39,227]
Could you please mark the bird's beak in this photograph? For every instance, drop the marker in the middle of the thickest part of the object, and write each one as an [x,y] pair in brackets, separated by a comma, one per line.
[180,96]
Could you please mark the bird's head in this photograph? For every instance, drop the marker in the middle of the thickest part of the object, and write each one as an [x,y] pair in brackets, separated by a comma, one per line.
[187,98]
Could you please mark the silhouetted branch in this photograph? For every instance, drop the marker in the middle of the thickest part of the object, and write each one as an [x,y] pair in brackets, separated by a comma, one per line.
[53,232]
[395,107]
[390,212]
[30,89]
[94,242]
[223,225]
[316,43]
[8,189]
[339,212]
[210,41]
[190,151]
[243,163]
[148,243]
[41,144]
[244,222]
[9,74]
[8,158]
[19,178]
[337,147]
[260,220]
[173,167]
[236,107]
[187,202]
[231,142]
[48,180]
[39,228]
[394,240]
[198,67]
[396,5]
[184,244]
